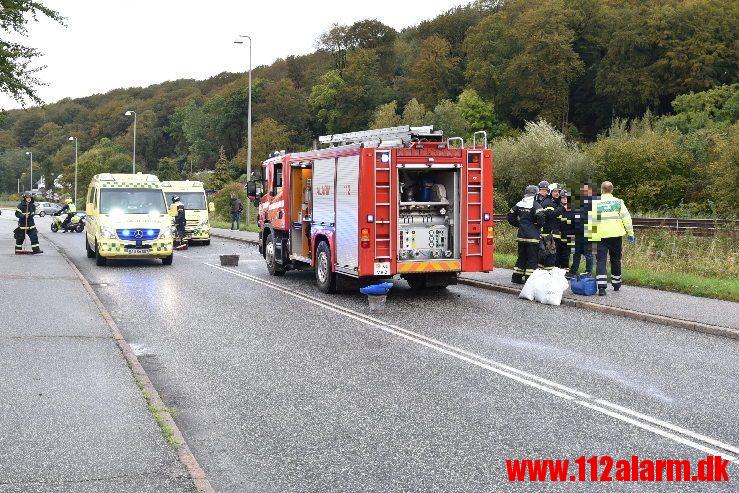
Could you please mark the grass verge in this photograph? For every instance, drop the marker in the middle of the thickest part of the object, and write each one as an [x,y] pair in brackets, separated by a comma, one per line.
[227,225]
[158,414]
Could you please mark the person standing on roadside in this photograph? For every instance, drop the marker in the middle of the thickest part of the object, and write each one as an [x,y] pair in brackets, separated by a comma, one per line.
[236,208]
[26,225]
[547,244]
[566,231]
[528,217]
[583,245]
[608,222]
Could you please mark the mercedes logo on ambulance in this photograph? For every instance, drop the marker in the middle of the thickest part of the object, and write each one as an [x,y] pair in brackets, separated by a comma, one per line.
[138,234]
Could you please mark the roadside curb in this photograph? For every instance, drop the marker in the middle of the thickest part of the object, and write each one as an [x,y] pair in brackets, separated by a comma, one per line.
[184,454]
[586,305]
[622,312]
[227,236]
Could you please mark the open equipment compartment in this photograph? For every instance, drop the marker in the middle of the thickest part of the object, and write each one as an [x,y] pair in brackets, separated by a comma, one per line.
[428,214]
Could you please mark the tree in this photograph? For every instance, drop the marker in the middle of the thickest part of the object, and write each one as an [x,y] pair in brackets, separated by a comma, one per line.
[448,117]
[480,114]
[267,136]
[413,113]
[222,174]
[17,76]
[386,115]
[167,169]
[325,98]
[283,103]
[435,73]
[103,157]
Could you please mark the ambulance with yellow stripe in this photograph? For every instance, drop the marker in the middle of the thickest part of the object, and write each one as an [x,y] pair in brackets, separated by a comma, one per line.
[394,202]
[192,195]
[127,217]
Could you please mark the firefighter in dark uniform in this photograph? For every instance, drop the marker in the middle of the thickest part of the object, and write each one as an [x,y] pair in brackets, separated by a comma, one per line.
[547,244]
[26,225]
[528,217]
[179,219]
[566,240]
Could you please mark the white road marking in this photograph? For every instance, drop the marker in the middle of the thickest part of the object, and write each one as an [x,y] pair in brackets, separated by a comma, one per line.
[583,399]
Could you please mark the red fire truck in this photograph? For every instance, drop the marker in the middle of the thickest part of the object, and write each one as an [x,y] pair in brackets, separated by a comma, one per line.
[395,202]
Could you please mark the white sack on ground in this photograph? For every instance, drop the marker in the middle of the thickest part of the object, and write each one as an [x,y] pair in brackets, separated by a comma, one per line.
[536,278]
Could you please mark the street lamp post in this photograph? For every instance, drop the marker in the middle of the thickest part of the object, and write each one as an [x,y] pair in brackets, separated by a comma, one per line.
[75,169]
[248,129]
[129,113]
[29,153]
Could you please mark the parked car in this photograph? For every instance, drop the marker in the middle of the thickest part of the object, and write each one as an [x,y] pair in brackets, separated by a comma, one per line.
[43,208]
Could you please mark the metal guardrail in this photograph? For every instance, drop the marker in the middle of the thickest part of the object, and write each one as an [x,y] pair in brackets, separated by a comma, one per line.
[699,227]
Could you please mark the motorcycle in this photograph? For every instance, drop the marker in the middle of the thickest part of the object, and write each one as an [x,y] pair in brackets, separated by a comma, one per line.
[76,224]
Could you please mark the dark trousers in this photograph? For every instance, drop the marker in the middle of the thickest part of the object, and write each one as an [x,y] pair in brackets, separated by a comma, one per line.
[32,235]
[528,256]
[548,251]
[66,221]
[582,248]
[235,219]
[563,254]
[608,247]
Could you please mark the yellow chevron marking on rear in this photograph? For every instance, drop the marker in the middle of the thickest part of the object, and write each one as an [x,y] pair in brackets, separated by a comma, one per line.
[429,266]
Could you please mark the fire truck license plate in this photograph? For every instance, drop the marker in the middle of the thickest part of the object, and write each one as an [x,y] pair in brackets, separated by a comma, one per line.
[382,268]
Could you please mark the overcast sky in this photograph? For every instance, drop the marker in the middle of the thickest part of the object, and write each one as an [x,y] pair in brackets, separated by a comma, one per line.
[114,43]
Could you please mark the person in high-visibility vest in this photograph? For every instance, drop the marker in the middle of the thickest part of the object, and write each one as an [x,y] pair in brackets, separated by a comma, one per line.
[26,225]
[608,222]
[71,209]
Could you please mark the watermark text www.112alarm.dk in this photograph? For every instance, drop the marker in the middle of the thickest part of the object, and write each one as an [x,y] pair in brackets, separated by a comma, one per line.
[605,468]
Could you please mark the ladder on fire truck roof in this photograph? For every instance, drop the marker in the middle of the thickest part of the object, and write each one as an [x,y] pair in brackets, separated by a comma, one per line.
[403,134]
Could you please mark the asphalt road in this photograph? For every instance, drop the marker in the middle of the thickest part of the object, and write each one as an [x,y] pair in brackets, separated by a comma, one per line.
[278,387]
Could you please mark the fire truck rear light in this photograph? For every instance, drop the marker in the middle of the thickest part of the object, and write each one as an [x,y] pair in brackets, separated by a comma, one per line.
[418,146]
[490,235]
[370,218]
[486,217]
[365,238]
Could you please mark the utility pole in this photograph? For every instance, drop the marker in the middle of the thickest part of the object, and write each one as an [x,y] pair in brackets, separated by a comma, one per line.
[29,153]
[248,130]
[75,169]
[129,113]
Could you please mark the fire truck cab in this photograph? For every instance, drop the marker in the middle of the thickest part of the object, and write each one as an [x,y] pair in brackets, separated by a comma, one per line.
[394,202]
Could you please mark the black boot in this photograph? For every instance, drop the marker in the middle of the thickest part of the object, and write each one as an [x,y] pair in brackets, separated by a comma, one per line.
[517,279]
[616,287]
[601,291]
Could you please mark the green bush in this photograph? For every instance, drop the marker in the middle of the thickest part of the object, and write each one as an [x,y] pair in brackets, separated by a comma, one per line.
[648,169]
[540,152]
[222,199]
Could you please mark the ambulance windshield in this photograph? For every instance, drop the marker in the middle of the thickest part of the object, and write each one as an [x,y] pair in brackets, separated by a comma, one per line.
[132,201]
[193,201]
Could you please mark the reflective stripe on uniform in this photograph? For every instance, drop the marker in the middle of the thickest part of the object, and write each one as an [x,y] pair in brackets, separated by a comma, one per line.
[528,240]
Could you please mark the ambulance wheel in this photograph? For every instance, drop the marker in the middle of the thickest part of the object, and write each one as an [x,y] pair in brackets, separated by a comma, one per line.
[325,278]
[269,256]
[99,259]
[90,251]
[168,260]
[54,228]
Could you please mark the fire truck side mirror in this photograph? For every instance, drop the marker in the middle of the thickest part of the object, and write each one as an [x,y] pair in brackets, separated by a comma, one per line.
[254,190]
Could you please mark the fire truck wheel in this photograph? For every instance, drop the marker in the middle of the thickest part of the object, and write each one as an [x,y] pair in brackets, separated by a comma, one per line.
[272,267]
[416,282]
[325,278]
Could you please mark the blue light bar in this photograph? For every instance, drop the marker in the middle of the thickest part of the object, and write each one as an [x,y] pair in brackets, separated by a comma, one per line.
[138,234]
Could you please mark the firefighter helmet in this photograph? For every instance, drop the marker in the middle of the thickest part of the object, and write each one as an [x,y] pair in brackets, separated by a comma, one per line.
[554,186]
[544,184]
[530,190]
[175,198]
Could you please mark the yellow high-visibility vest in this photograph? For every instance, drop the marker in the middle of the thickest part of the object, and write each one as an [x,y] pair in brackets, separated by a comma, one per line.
[608,218]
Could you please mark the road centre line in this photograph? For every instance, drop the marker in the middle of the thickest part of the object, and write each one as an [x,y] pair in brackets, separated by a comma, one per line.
[673,432]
